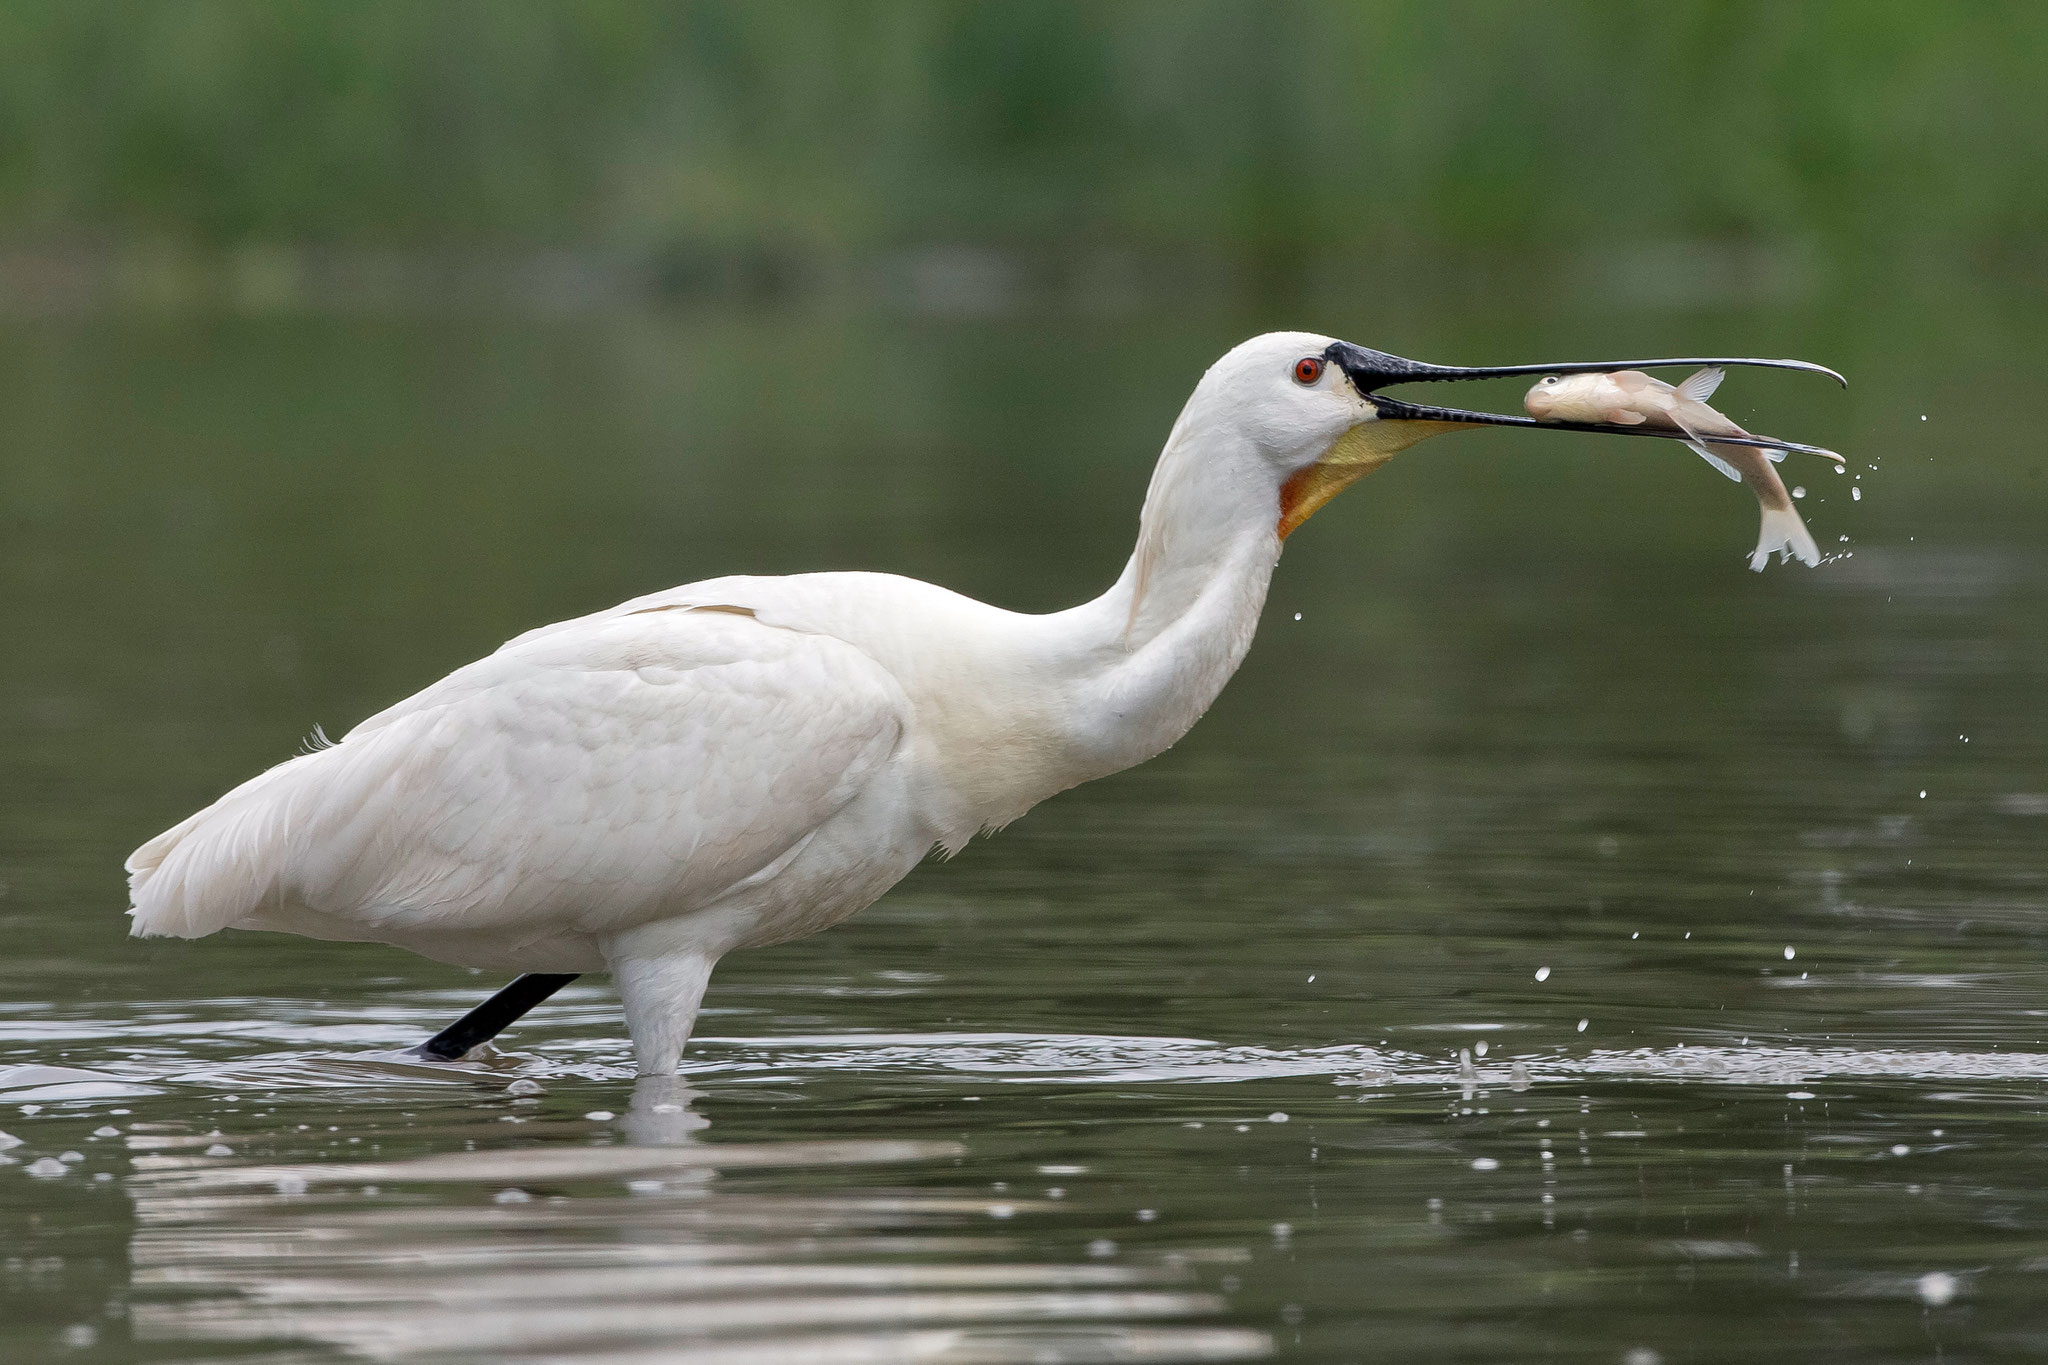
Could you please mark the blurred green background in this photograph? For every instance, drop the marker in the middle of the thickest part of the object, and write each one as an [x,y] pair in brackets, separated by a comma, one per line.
[262,154]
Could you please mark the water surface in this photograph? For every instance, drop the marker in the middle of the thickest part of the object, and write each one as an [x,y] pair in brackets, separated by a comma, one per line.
[1558,943]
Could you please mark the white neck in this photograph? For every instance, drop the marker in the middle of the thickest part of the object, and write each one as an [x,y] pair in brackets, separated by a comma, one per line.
[1145,660]
[1031,705]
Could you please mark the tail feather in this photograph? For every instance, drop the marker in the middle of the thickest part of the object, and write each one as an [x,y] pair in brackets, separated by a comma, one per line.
[1784,532]
[217,867]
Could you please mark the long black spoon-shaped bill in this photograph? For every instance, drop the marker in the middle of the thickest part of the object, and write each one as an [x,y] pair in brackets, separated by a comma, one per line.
[1371,370]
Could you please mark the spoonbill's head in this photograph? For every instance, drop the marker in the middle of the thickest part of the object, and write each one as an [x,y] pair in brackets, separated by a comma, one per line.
[1309,410]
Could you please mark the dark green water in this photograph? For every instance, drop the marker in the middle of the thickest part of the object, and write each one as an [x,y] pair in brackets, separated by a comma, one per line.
[1171,1069]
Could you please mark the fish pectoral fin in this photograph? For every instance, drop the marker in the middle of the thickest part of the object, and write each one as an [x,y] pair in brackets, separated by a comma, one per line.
[1715,460]
[1698,441]
[1624,417]
[1775,456]
[1700,384]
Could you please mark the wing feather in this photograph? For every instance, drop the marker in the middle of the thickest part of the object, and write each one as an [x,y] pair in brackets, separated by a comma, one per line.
[587,778]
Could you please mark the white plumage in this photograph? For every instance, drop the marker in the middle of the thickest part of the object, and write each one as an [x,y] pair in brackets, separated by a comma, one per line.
[535,793]
[745,760]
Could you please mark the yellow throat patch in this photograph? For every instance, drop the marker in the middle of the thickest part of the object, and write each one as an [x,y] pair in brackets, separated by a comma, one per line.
[1355,454]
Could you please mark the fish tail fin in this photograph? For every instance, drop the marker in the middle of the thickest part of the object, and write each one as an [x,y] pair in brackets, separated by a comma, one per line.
[1784,532]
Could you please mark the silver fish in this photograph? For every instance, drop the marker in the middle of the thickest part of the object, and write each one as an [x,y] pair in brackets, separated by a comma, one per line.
[1632,398]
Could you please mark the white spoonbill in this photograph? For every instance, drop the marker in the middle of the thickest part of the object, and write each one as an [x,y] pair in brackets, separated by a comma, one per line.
[743,761]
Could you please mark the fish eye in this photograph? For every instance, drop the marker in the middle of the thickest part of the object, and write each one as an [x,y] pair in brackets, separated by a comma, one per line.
[1550,379]
[1308,369]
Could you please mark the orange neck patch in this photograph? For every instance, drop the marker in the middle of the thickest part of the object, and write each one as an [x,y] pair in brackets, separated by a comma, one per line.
[1306,490]
[1357,453]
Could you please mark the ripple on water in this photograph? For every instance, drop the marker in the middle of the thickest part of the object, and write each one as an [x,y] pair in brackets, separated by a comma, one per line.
[1012,1058]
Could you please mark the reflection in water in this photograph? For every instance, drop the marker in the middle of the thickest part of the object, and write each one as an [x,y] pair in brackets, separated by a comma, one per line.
[33,1084]
[549,1257]
[1051,1198]
[661,1114]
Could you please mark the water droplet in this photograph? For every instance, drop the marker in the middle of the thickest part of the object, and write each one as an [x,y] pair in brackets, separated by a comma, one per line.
[220,1149]
[1936,1287]
[1297,616]
[1485,1163]
[523,1087]
[1789,953]
[1101,1248]
[1002,1211]
[1543,973]
[1798,490]
[1276,1117]
[1582,1024]
[600,1115]
[1799,1094]
[511,1197]
[1856,495]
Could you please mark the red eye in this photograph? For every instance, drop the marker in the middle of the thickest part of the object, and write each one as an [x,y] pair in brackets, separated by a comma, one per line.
[1308,370]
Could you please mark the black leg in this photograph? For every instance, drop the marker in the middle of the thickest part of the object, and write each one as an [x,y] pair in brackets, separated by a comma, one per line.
[493,1017]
